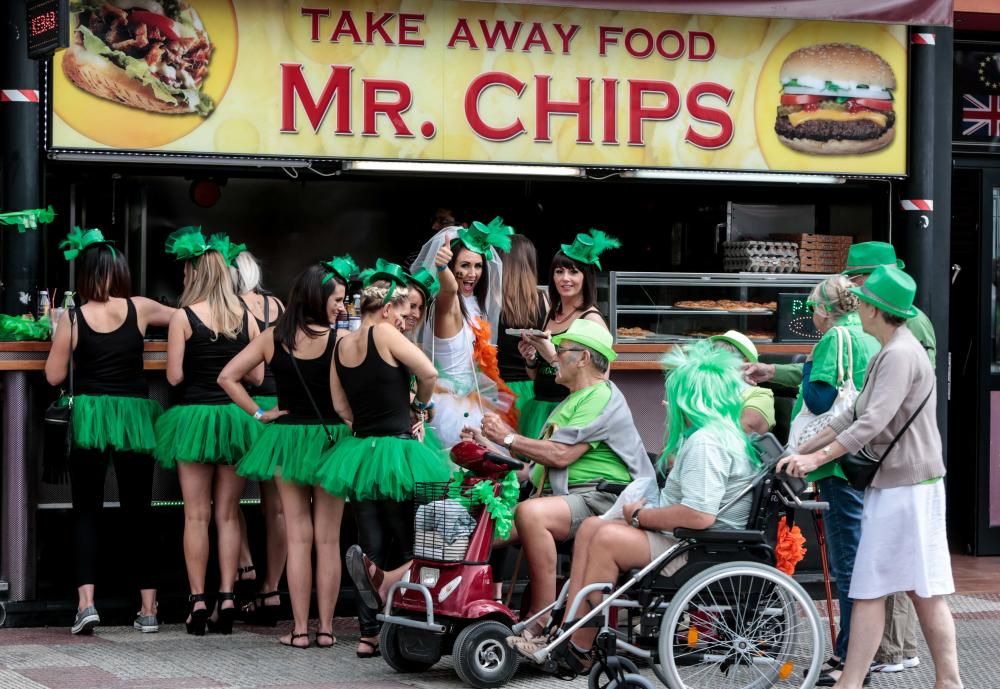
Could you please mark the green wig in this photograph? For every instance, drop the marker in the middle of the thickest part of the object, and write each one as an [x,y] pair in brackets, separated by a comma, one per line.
[704,390]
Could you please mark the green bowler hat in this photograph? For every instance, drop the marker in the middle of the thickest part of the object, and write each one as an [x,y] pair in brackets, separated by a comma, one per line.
[480,238]
[384,270]
[587,247]
[890,289]
[426,282]
[741,342]
[865,257]
[589,334]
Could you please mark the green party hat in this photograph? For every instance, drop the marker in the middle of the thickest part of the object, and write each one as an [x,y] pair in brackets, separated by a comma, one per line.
[481,238]
[224,245]
[427,283]
[186,243]
[344,267]
[78,240]
[588,247]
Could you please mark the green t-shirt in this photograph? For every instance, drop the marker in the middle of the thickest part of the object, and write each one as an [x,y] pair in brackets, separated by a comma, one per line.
[922,329]
[787,375]
[579,409]
[760,400]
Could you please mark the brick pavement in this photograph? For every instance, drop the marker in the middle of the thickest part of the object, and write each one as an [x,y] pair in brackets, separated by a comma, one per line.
[121,658]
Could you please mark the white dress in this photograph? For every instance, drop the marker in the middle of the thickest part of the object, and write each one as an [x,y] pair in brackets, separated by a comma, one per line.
[904,543]
[455,397]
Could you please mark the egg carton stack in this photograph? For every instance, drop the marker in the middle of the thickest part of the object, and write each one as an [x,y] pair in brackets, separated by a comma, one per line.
[761,256]
[821,253]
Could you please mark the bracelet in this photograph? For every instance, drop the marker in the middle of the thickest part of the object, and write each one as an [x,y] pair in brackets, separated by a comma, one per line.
[443,268]
[417,405]
[259,414]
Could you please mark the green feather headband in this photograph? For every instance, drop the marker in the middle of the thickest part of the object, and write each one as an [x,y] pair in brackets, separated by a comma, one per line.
[224,245]
[28,219]
[78,240]
[385,270]
[588,247]
[187,243]
[343,267]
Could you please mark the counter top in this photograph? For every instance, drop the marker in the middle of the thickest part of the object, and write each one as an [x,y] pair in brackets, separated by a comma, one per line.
[646,357]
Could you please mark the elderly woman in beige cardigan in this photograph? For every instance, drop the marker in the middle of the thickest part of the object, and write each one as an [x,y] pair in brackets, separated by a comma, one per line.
[903,546]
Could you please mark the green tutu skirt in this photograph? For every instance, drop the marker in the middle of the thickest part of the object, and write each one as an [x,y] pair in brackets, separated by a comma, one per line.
[524,392]
[266,402]
[102,422]
[293,451]
[380,468]
[204,433]
[533,417]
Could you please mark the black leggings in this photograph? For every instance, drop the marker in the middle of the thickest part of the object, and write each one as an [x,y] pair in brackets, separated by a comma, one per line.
[385,533]
[134,472]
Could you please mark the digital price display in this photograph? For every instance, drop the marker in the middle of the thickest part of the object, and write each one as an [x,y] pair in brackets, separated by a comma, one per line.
[795,323]
[48,27]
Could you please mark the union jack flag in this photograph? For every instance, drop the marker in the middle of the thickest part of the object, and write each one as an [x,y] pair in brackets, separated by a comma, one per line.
[981,116]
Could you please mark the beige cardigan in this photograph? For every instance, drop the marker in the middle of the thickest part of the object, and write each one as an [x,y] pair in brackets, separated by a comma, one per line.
[898,379]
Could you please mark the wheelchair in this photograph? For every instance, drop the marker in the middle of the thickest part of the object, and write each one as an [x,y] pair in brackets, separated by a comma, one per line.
[726,618]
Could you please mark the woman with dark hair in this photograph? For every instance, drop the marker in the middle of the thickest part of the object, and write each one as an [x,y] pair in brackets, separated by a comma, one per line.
[300,428]
[206,434]
[461,330]
[572,295]
[113,416]
[524,308]
[378,466]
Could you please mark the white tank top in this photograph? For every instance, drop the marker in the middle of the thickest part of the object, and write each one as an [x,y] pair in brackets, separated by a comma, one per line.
[453,358]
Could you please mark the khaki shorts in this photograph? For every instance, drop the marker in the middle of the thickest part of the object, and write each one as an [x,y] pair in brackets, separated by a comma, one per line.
[660,543]
[586,502]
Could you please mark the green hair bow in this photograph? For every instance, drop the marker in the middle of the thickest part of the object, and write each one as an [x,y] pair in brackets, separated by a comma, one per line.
[343,267]
[28,219]
[78,240]
[588,247]
[224,245]
[186,243]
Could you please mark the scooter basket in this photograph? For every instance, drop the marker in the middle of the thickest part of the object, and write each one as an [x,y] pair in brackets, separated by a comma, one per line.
[444,519]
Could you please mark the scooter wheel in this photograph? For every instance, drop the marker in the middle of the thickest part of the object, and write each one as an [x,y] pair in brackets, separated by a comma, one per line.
[393,654]
[482,657]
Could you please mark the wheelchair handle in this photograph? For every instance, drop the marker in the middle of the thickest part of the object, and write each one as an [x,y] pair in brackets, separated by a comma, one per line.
[503,460]
[813,505]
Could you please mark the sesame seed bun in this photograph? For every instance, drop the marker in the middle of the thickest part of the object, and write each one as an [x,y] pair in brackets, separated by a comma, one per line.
[840,146]
[839,62]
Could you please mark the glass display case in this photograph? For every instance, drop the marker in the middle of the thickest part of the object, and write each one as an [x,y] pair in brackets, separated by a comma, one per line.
[681,307]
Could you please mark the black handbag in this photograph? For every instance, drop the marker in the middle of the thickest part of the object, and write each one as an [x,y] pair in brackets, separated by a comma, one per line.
[860,468]
[59,424]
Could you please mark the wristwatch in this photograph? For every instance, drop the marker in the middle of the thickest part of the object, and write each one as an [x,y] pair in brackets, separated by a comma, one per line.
[508,440]
[635,518]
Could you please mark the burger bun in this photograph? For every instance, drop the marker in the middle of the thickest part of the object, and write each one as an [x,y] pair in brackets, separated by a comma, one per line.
[840,146]
[101,77]
[839,62]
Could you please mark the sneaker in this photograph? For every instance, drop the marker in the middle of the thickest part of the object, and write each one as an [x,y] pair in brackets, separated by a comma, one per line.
[147,624]
[887,667]
[85,621]
[909,663]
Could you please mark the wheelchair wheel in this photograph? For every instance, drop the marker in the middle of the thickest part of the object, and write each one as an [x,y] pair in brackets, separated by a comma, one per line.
[482,657]
[742,623]
[603,677]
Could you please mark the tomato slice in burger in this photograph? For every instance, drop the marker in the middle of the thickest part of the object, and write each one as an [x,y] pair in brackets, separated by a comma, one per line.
[873,104]
[165,24]
[799,99]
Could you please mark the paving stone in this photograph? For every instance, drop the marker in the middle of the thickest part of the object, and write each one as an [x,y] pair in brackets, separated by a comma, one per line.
[37,656]
[9,679]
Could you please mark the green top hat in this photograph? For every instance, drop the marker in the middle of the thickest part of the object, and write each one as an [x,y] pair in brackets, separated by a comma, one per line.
[384,270]
[427,283]
[481,238]
[741,342]
[890,289]
[78,240]
[343,267]
[28,219]
[588,247]
[589,334]
[865,257]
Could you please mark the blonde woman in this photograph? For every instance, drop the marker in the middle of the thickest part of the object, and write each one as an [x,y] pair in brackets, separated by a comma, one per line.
[206,434]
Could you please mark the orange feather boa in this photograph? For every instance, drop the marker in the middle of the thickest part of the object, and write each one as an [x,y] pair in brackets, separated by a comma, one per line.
[790,550]
[485,355]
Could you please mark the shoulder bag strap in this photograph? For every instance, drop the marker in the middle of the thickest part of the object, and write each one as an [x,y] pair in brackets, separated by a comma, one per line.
[907,424]
[72,350]
[312,401]
[267,311]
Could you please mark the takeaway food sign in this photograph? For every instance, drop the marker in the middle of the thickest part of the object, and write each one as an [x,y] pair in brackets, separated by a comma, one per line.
[473,81]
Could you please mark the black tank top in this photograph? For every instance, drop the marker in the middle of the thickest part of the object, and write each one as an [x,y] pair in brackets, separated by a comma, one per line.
[205,355]
[109,363]
[509,359]
[292,396]
[267,387]
[379,394]
[546,387]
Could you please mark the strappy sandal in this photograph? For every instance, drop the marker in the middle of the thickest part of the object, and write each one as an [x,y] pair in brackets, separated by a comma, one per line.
[291,641]
[374,653]
[325,635]
[256,612]
[367,583]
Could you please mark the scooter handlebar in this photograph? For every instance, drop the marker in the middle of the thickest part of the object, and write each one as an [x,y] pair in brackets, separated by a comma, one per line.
[503,460]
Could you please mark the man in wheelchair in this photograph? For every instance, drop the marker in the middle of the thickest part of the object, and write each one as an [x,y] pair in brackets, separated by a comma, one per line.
[713,463]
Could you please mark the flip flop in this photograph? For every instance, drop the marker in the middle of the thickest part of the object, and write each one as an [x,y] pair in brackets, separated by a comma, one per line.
[359,567]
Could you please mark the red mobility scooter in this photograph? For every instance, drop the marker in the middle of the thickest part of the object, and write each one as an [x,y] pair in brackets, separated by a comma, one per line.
[444,605]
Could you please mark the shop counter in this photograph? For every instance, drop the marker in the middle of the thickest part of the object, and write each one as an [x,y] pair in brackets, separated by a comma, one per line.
[30,356]
[646,357]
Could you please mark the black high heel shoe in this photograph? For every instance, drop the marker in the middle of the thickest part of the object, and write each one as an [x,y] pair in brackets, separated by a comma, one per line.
[256,612]
[224,622]
[196,626]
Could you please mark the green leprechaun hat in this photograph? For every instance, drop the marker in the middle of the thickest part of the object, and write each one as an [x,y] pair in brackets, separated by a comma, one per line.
[588,247]
[78,240]
[891,289]
[481,238]
[865,257]
[343,267]
[427,283]
[28,219]
[384,270]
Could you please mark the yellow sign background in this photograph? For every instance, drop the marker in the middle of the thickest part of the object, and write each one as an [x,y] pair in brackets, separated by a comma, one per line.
[253,38]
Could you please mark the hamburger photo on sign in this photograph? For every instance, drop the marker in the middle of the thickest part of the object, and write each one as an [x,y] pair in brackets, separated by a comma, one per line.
[147,54]
[836,99]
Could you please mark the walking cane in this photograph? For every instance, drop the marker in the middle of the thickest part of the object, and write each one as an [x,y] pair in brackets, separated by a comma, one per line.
[821,538]
[520,552]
